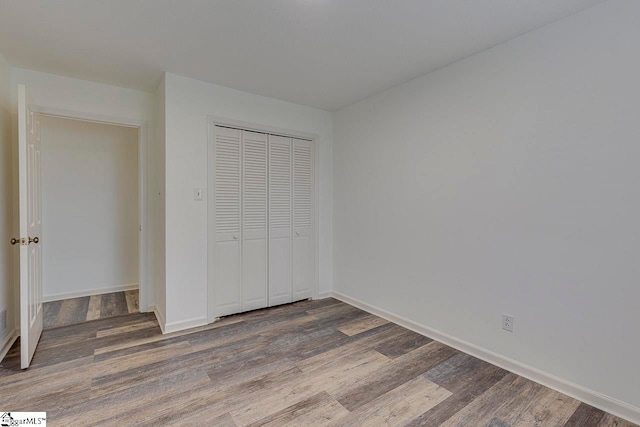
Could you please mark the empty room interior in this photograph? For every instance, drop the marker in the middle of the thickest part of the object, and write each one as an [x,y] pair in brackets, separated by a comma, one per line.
[320,213]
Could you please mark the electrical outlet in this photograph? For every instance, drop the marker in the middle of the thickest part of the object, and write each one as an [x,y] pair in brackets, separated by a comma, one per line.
[507,322]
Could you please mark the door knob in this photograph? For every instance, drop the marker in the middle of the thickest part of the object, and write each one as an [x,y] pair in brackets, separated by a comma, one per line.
[34,240]
[235,237]
[15,241]
[297,233]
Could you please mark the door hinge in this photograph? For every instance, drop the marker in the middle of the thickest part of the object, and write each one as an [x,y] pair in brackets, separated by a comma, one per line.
[23,241]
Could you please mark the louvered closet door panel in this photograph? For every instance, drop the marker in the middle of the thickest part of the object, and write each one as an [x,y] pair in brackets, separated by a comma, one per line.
[254,213]
[227,220]
[303,221]
[280,291]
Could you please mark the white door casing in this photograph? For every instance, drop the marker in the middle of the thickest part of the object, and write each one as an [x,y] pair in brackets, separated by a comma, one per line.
[30,208]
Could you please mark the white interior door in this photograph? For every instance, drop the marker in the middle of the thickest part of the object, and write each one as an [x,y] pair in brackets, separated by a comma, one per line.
[280,290]
[227,220]
[303,219]
[30,195]
[254,221]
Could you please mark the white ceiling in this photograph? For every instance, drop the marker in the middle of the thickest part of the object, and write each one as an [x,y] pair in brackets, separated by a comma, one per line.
[321,53]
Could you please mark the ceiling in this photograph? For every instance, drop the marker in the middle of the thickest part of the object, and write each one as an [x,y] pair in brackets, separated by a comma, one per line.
[320,53]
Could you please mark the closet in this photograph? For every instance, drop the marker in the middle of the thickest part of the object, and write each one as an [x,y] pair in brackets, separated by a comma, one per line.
[262,242]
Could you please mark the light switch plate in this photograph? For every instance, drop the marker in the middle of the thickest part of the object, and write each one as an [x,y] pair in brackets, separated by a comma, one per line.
[197,193]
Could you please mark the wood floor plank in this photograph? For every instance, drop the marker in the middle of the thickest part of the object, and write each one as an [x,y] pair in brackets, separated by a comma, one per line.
[398,406]
[309,363]
[141,344]
[353,346]
[319,410]
[128,328]
[132,301]
[138,403]
[95,304]
[51,310]
[497,422]
[585,415]
[121,306]
[401,343]
[362,324]
[308,384]
[612,421]
[466,389]
[483,409]
[108,305]
[224,420]
[543,407]
[401,370]
[72,311]
[77,310]
[205,403]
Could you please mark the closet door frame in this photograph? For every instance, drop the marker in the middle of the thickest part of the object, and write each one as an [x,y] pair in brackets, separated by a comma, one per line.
[212,122]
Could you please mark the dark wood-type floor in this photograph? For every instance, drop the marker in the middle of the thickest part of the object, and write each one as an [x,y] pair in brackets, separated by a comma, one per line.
[312,363]
[77,310]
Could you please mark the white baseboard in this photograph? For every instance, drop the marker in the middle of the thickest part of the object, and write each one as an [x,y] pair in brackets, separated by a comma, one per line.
[586,395]
[8,342]
[89,292]
[159,317]
[323,295]
[184,324]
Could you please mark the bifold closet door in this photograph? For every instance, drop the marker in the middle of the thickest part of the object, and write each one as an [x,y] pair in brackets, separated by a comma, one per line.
[303,219]
[254,221]
[280,291]
[227,255]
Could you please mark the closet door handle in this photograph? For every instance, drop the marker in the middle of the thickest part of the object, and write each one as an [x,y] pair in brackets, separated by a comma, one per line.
[297,233]
[235,237]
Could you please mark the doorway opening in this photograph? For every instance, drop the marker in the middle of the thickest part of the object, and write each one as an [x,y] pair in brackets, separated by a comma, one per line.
[91,228]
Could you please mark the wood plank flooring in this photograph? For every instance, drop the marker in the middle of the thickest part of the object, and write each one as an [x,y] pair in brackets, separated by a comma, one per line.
[76,310]
[312,363]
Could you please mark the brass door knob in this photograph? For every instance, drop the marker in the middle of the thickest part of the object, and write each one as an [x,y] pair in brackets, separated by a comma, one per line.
[14,241]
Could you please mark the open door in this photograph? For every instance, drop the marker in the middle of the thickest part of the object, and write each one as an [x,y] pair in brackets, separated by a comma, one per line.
[30,195]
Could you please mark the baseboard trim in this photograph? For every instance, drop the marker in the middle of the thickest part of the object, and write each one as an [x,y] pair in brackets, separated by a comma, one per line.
[168,328]
[159,318]
[89,292]
[8,342]
[586,395]
[323,295]
[184,324]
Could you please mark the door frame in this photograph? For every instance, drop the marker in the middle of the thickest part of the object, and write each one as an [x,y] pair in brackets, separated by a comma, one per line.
[212,122]
[143,220]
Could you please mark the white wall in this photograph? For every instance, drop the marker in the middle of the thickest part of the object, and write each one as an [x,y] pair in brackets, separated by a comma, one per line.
[6,232]
[188,103]
[90,203]
[64,93]
[507,182]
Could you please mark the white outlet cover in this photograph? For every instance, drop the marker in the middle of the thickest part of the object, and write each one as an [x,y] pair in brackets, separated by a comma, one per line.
[507,322]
